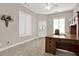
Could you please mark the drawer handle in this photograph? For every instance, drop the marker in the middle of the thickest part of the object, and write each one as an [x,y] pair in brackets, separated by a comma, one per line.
[49,39]
[49,45]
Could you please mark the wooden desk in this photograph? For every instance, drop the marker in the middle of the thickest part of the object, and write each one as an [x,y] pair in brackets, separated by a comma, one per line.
[70,43]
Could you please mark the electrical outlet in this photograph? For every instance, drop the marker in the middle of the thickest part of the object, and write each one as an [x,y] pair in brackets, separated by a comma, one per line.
[8,42]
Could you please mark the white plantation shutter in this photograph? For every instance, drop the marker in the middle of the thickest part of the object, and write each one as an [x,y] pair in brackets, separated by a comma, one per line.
[25,24]
[59,24]
[62,26]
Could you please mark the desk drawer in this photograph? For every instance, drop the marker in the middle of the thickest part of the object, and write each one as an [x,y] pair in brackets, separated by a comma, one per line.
[65,46]
[50,40]
[67,41]
[51,51]
[50,45]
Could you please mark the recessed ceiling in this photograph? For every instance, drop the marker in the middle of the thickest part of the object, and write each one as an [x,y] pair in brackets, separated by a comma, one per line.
[45,8]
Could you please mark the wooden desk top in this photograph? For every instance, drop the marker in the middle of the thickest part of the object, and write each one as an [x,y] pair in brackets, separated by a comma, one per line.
[71,37]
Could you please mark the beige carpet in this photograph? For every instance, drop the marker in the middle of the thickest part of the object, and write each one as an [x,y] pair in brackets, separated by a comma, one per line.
[33,48]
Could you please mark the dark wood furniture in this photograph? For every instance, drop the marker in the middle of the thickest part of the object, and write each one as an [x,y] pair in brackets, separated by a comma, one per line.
[70,43]
[73,29]
[78,24]
[74,25]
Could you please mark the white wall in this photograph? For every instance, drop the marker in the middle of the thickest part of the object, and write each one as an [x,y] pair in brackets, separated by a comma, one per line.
[11,33]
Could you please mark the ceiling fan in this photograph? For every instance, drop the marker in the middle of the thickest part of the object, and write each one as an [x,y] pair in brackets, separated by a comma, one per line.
[49,6]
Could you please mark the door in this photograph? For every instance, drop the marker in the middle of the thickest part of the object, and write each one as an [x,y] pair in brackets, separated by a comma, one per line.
[42,28]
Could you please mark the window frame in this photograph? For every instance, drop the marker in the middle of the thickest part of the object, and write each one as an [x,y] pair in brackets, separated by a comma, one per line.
[59,25]
[27,31]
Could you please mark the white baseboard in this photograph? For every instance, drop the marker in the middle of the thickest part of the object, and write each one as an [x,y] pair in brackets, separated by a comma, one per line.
[25,41]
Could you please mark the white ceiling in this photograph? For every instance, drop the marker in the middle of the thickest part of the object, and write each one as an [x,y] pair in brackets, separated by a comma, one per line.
[55,7]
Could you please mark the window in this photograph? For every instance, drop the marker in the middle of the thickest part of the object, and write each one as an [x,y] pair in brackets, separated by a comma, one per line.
[59,24]
[25,24]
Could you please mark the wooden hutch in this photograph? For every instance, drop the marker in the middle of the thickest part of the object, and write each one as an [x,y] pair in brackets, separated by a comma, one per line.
[74,29]
[74,26]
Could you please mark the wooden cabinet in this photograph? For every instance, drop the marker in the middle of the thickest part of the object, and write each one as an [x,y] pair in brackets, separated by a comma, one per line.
[73,29]
[50,46]
[74,26]
[78,24]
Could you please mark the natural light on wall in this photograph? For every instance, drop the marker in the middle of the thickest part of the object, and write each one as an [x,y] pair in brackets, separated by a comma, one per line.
[59,24]
[25,24]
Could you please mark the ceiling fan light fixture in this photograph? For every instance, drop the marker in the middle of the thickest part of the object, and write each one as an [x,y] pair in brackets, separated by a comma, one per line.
[48,6]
